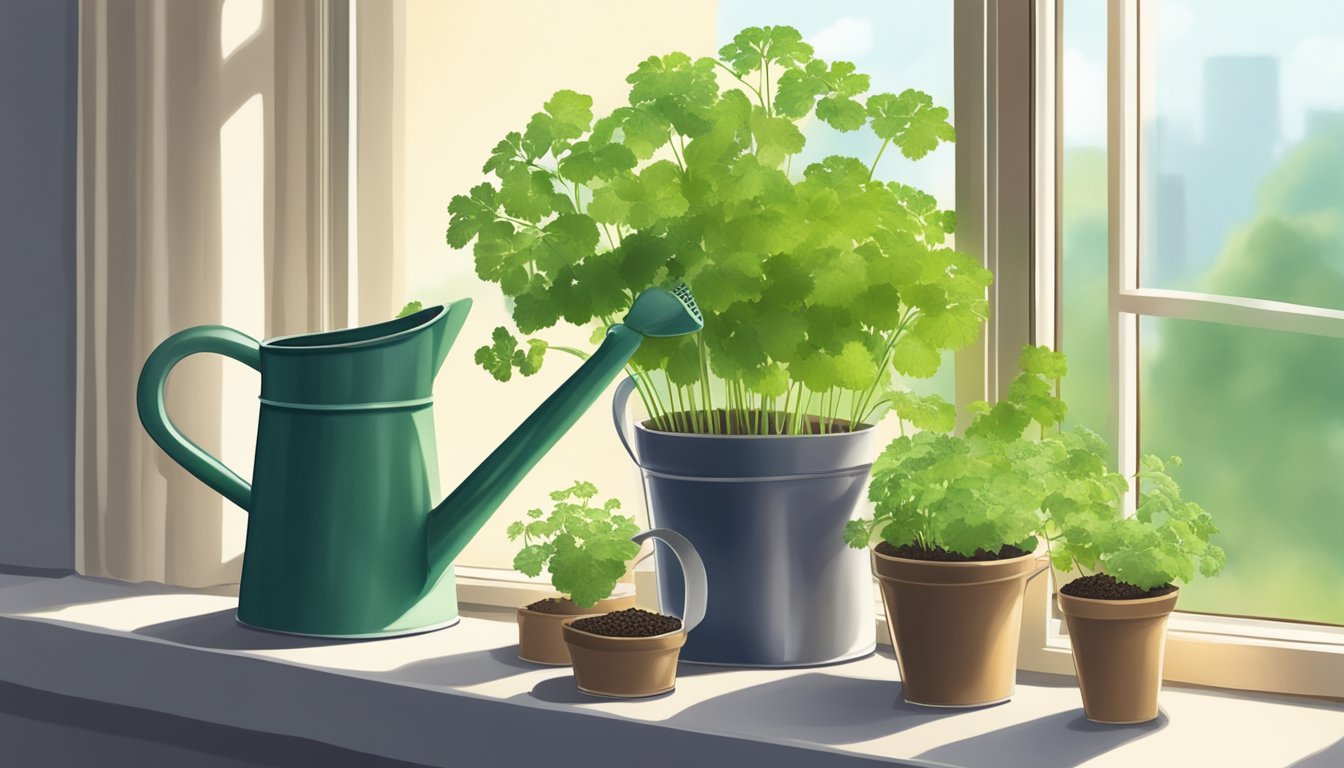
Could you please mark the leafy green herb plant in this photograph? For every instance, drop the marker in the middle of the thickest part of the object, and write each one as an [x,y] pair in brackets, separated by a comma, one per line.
[975,492]
[1166,540]
[999,484]
[583,545]
[817,283]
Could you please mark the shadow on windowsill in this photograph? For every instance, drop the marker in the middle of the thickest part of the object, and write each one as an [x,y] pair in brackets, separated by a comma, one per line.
[814,706]
[219,630]
[1330,757]
[1062,739]
[462,669]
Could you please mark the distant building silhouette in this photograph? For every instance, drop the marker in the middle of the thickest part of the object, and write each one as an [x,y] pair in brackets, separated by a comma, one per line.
[1203,188]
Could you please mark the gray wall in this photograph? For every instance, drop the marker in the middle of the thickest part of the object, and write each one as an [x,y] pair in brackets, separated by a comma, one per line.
[38,59]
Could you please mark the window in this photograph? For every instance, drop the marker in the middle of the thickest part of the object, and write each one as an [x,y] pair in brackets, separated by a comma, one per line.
[1201,296]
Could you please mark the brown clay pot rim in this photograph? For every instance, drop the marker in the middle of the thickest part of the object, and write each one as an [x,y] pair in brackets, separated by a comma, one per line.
[522,609]
[592,610]
[593,640]
[950,563]
[1143,607]
[940,573]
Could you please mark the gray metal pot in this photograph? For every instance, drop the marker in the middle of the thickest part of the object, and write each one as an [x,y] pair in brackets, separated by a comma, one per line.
[766,514]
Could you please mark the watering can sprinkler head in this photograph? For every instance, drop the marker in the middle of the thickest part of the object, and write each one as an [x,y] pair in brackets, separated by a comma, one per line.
[661,312]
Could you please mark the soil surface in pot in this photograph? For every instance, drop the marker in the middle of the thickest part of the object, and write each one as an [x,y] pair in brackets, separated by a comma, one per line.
[778,423]
[1101,586]
[938,554]
[553,605]
[632,622]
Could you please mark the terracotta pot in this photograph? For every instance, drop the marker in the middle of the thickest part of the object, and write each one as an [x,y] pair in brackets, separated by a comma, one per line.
[955,626]
[539,638]
[625,667]
[1118,646]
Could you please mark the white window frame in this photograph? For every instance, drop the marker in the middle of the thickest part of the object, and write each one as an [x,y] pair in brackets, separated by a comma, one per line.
[1220,651]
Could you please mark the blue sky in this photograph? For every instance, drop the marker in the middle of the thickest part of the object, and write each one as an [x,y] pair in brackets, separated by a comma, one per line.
[900,44]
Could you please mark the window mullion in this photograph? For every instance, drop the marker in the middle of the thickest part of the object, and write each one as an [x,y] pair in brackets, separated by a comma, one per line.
[1123,231]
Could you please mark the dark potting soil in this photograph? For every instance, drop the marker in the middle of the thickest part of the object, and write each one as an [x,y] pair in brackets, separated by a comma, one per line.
[1101,586]
[552,605]
[777,423]
[631,622]
[938,554]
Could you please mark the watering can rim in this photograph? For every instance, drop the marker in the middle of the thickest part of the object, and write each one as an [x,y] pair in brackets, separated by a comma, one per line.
[367,335]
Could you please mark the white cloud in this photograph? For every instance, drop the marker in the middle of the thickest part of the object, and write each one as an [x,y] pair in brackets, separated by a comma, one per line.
[1175,22]
[1312,79]
[848,38]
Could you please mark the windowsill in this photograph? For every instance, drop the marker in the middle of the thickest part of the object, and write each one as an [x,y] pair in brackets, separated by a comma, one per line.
[460,696]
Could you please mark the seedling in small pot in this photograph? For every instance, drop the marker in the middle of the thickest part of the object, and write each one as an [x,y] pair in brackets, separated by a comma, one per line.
[585,547]
[632,653]
[1117,609]
[957,519]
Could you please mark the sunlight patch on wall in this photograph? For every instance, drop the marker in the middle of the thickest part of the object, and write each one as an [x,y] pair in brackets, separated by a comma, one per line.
[239,20]
[242,155]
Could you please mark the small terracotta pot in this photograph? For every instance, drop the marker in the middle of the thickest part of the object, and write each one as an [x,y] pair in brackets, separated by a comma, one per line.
[624,667]
[539,637]
[955,626]
[1118,647]
[632,667]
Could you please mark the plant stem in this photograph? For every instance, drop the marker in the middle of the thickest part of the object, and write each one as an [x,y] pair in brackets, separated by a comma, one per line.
[519,222]
[880,150]
[671,143]
[739,79]
[648,408]
[579,353]
[769,103]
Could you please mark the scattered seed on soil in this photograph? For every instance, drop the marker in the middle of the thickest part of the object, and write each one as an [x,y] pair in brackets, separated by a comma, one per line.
[1101,586]
[552,605]
[631,622]
[938,554]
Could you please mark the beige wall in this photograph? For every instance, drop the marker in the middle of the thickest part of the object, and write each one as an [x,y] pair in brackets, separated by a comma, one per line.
[476,70]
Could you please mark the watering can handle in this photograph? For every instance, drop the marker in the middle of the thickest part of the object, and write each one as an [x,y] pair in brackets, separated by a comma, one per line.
[619,410]
[154,414]
[692,571]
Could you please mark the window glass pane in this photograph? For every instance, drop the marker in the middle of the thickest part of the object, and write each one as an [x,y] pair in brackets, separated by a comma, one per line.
[1084,331]
[1243,142]
[1258,418]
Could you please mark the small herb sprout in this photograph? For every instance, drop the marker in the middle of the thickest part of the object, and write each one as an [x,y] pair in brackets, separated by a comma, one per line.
[585,547]
[978,491]
[1167,539]
[410,309]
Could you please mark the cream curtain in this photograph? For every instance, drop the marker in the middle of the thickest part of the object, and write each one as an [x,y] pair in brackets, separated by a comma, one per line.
[206,196]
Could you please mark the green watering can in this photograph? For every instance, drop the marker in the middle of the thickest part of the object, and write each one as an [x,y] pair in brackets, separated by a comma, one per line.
[346,536]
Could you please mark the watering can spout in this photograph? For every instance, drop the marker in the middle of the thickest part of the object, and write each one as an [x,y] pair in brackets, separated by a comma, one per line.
[657,312]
